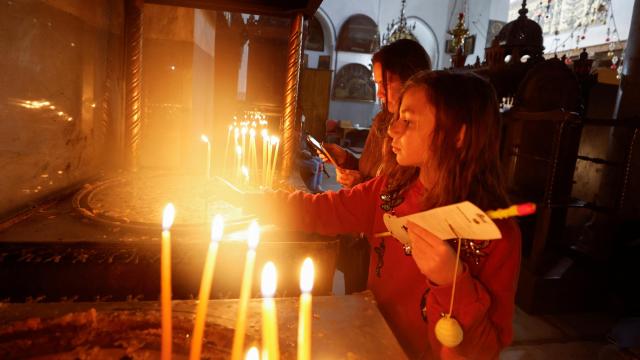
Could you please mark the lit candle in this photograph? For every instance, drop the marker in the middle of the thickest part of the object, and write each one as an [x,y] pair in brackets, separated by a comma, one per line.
[245,175]
[226,149]
[238,161]
[244,144]
[265,140]
[253,163]
[275,140]
[245,291]
[269,160]
[270,346]
[217,227]
[252,354]
[304,317]
[204,138]
[165,280]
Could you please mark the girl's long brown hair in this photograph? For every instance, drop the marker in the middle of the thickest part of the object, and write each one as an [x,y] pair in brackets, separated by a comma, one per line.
[469,171]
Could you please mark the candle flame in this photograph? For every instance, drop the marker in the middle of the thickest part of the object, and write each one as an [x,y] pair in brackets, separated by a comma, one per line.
[217,228]
[252,132]
[269,280]
[253,354]
[254,235]
[239,150]
[167,216]
[306,275]
[244,130]
[245,171]
[275,139]
[204,138]
[264,133]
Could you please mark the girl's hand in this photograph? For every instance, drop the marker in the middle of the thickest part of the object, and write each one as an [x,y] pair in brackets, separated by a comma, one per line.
[434,257]
[348,178]
[338,153]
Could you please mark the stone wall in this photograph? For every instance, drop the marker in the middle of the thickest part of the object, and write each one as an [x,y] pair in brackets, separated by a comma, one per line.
[59,70]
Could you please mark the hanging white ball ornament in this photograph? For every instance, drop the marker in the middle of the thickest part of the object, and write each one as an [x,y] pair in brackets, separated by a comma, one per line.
[448,331]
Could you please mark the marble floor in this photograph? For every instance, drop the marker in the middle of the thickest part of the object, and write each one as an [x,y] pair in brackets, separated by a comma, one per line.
[550,337]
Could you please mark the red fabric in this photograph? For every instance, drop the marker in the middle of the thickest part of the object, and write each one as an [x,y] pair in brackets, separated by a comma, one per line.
[331,126]
[484,300]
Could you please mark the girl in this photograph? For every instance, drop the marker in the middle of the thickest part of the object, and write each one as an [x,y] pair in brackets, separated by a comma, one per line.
[443,150]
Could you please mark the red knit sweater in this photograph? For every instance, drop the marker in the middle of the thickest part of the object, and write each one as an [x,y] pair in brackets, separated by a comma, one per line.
[484,300]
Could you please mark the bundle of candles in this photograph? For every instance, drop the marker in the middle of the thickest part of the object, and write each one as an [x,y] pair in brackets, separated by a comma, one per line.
[241,154]
[270,347]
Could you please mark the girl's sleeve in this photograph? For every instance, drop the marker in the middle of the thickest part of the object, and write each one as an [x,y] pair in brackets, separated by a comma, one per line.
[484,305]
[328,213]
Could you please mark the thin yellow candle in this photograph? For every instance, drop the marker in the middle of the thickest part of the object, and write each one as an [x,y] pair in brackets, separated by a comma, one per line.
[265,140]
[270,346]
[241,321]
[165,280]
[269,161]
[217,228]
[244,144]
[245,175]
[272,172]
[252,354]
[238,161]
[253,163]
[204,138]
[304,317]
[226,149]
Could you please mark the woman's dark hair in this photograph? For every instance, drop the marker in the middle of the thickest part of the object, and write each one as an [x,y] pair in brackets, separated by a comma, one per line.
[469,170]
[403,57]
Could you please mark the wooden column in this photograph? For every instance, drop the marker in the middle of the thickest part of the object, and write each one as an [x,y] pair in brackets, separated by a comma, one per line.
[289,139]
[133,81]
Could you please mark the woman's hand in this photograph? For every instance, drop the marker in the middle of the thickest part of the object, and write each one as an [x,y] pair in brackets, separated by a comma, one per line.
[434,257]
[338,153]
[348,178]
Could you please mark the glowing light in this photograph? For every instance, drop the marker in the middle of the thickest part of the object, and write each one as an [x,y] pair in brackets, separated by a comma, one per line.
[306,276]
[254,235]
[253,354]
[168,216]
[204,138]
[217,228]
[269,280]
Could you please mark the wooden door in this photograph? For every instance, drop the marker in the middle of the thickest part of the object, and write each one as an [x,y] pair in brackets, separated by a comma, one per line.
[314,99]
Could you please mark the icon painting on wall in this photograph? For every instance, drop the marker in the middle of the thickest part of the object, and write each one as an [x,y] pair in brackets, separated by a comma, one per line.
[354,82]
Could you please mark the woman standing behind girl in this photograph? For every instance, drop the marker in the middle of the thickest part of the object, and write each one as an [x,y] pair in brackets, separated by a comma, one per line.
[443,150]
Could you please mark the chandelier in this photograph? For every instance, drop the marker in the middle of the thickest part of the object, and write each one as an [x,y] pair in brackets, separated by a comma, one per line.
[398,29]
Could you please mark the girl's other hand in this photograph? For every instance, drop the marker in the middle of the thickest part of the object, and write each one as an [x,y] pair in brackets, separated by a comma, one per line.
[434,257]
[338,153]
[348,178]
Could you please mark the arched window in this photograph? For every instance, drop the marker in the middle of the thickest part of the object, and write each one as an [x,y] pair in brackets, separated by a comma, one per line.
[354,82]
[315,39]
[359,34]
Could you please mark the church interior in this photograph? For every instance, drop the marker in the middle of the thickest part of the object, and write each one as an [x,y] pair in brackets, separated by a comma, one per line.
[111,109]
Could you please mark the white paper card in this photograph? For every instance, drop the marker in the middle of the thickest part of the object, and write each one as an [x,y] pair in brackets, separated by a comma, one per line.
[468,221]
